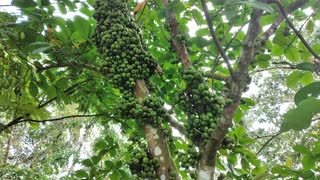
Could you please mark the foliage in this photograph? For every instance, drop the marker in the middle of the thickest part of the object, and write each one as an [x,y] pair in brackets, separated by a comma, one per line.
[160,87]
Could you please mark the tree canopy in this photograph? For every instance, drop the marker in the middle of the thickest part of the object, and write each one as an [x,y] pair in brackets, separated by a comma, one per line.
[160,89]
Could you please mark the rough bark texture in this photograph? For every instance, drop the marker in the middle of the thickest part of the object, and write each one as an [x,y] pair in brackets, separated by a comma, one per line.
[174,31]
[237,84]
[156,139]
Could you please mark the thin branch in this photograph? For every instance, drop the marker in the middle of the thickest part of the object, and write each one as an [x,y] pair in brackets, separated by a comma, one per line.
[174,31]
[175,124]
[284,13]
[292,7]
[70,64]
[68,91]
[271,68]
[214,37]
[63,118]
[265,144]
[217,77]
[235,35]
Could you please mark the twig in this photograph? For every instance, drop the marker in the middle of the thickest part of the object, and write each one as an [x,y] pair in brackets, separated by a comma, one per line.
[62,118]
[305,43]
[265,144]
[70,64]
[214,37]
[271,68]
[175,124]
[292,7]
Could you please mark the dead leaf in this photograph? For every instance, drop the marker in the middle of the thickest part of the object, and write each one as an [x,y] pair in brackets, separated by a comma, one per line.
[139,6]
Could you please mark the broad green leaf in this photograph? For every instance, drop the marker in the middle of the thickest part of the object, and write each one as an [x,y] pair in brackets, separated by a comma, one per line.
[283,171]
[52,92]
[82,174]
[95,159]
[238,115]
[40,50]
[257,5]
[198,17]
[301,149]
[307,78]
[310,26]
[232,158]
[239,132]
[308,162]
[300,117]
[305,66]
[62,8]
[115,175]
[82,26]
[87,163]
[258,170]
[311,90]
[24,3]
[45,2]
[277,50]
[292,54]
[101,144]
[200,41]
[218,2]
[293,79]
[33,89]
[86,11]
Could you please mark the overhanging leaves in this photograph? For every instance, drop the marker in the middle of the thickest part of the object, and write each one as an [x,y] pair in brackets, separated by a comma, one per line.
[300,117]
[311,90]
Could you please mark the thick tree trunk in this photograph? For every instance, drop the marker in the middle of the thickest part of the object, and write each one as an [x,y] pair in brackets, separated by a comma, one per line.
[156,140]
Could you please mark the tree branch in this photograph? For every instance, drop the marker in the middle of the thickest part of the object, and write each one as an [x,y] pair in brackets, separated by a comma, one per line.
[284,14]
[292,7]
[63,118]
[174,31]
[175,124]
[265,144]
[68,91]
[214,37]
[236,87]
[69,64]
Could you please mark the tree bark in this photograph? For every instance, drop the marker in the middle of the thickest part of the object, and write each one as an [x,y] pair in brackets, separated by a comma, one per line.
[156,140]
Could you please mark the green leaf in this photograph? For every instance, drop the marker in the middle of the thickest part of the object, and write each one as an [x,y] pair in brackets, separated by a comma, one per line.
[308,162]
[239,132]
[81,174]
[292,54]
[257,5]
[200,41]
[40,50]
[258,170]
[95,159]
[310,26]
[62,8]
[307,78]
[82,26]
[238,115]
[300,118]
[293,79]
[87,163]
[198,17]
[277,50]
[86,11]
[311,90]
[282,170]
[301,149]
[115,175]
[101,144]
[24,3]
[305,66]
[33,89]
